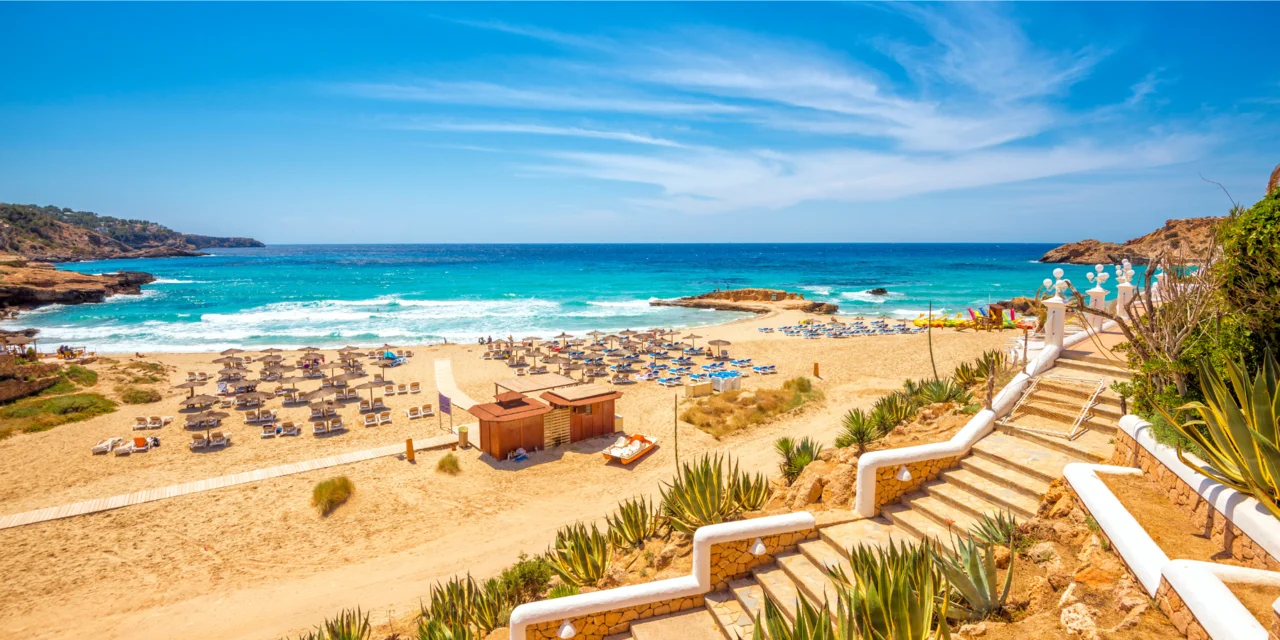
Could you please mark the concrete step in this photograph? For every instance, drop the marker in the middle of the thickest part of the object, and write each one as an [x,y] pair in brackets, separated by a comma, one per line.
[733,620]
[780,588]
[1108,397]
[810,578]
[694,624]
[1091,357]
[1024,483]
[1018,502]
[918,524]
[973,504]
[1092,445]
[825,555]
[870,531]
[940,511]
[1089,369]
[1071,404]
[750,596]
[1023,455]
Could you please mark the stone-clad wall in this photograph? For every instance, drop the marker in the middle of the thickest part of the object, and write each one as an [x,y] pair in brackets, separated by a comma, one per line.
[729,561]
[599,625]
[889,488]
[733,560]
[1207,518]
[1179,613]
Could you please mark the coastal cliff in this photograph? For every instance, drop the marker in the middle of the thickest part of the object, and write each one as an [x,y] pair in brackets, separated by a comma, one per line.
[27,285]
[753,300]
[50,234]
[1191,236]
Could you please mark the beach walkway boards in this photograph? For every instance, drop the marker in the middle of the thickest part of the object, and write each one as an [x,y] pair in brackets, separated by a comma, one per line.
[448,388]
[172,491]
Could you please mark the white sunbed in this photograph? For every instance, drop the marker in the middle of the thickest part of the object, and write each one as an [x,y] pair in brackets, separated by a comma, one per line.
[198,441]
[105,446]
[141,422]
[413,413]
[370,419]
[319,428]
[289,429]
[384,417]
[415,387]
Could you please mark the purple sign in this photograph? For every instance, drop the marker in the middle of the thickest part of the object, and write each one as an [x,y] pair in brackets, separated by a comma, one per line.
[445,405]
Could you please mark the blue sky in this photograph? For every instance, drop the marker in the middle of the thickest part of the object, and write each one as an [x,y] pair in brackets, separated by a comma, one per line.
[640,122]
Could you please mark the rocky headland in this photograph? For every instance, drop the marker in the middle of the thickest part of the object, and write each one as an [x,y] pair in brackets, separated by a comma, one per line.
[752,300]
[26,284]
[1190,236]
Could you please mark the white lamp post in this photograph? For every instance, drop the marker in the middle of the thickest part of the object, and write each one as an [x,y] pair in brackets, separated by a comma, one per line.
[1055,321]
[1097,296]
[1124,287]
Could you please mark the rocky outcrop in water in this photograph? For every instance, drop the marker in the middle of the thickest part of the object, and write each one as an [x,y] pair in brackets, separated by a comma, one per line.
[27,285]
[752,300]
[1189,236]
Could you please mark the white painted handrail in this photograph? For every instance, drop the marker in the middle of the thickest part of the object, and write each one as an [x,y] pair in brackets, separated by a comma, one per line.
[1130,540]
[699,582]
[978,426]
[1201,586]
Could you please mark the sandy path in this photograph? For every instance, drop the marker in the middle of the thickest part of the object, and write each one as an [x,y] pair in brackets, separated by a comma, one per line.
[257,562]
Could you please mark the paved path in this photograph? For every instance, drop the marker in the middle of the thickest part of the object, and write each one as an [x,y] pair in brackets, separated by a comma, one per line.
[447,387]
[160,493]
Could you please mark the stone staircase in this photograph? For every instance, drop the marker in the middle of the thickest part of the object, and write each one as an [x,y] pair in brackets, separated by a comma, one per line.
[1009,470]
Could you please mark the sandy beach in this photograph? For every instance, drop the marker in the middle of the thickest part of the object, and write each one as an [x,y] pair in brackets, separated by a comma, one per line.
[256,561]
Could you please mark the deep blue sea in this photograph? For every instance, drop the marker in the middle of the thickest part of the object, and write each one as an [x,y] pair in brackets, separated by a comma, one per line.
[294,295]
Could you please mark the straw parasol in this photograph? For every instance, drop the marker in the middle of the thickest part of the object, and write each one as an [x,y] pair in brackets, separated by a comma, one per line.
[719,343]
[271,358]
[202,399]
[230,352]
[205,417]
[692,337]
[371,385]
[191,384]
[564,336]
[228,360]
[272,350]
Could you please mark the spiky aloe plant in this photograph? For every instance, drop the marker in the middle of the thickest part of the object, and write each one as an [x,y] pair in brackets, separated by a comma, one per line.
[858,430]
[562,590]
[944,390]
[347,625]
[580,555]
[995,528]
[896,408]
[635,521]
[893,592]
[967,374]
[1237,429]
[970,567]
[749,492]
[436,630]
[453,602]
[796,455]
[811,623]
[698,495]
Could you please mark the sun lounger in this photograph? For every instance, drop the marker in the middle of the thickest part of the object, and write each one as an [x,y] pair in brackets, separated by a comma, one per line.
[336,425]
[105,446]
[288,428]
[155,422]
[413,413]
[415,387]
[378,405]
[520,372]
[269,430]
[389,390]
[202,376]
[140,444]
[402,388]
[198,441]
[316,414]
[319,428]
[365,405]
[371,420]
[428,410]
[141,422]
[384,417]
[217,439]
[377,377]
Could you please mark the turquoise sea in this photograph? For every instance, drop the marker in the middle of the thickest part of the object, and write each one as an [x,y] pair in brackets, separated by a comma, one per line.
[294,295]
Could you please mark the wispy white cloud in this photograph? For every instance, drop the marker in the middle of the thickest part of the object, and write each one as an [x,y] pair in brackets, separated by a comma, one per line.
[542,130]
[538,33]
[1143,88]
[537,98]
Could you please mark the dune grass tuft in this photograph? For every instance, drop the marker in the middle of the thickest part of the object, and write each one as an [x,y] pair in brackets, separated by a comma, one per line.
[330,494]
[449,465]
[138,395]
[725,413]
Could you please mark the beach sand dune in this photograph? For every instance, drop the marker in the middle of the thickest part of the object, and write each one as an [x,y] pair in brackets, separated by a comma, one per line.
[256,561]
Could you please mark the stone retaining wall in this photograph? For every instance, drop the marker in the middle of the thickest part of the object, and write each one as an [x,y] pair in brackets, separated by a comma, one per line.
[889,489]
[1178,613]
[733,560]
[1212,523]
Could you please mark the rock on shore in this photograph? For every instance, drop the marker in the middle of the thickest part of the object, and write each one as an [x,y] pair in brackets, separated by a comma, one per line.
[28,285]
[1190,236]
[753,300]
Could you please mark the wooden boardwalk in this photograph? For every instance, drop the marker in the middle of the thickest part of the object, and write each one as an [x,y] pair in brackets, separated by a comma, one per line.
[171,491]
[448,388]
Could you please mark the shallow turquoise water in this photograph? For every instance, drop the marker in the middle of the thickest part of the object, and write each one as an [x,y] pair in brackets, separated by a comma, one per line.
[322,296]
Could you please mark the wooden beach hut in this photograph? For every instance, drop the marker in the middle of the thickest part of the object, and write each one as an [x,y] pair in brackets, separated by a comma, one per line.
[590,409]
[511,422]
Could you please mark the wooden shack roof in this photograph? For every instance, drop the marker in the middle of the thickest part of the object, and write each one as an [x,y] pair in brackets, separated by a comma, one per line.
[580,395]
[531,384]
[509,406]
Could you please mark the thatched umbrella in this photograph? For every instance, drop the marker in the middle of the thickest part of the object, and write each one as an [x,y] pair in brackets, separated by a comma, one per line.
[272,350]
[371,385]
[206,417]
[572,366]
[564,336]
[230,352]
[274,357]
[692,337]
[228,360]
[200,400]
[719,343]
[191,384]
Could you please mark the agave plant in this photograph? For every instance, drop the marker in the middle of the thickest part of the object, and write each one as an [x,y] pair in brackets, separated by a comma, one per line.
[436,630]
[463,603]
[894,592]
[996,528]
[896,409]
[1238,429]
[580,555]
[796,455]
[635,521]
[944,390]
[561,590]
[347,625]
[967,374]
[970,567]
[698,495]
[811,623]
[857,430]
[748,492]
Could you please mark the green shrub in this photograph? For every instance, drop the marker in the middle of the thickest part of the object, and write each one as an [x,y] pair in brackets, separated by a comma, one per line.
[40,413]
[332,493]
[136,395]
[449,465]
[795,455]
[798,384]
[1250,267]
[857,430]
[562,590]
[525,580]
[731,411]
[580,555]
[348,625]
[82,376]
[944,390]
